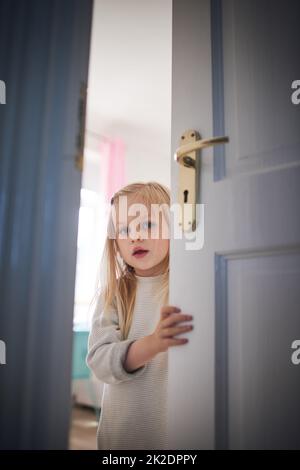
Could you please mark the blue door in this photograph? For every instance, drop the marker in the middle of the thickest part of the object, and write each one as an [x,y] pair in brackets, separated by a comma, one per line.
[44,51]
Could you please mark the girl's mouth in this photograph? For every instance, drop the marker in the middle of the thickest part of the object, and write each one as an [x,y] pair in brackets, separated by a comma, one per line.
[140,253]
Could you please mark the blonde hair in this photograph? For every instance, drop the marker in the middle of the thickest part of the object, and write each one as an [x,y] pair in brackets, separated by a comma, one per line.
[118,282]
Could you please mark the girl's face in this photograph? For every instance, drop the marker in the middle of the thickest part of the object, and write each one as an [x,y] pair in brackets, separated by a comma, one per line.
[142,239]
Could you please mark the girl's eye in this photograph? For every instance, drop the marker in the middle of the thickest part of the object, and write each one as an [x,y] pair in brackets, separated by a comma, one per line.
[123,231]
[144,226]
[148,224]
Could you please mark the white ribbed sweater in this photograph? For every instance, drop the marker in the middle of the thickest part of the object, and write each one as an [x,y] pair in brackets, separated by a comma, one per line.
[133,405]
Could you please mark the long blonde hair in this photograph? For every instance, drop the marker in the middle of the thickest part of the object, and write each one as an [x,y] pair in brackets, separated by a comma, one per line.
[118,283]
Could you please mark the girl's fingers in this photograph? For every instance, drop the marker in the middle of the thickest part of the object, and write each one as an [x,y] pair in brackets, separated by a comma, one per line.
[167,309]
[176,342]
[177,317]
[169,332]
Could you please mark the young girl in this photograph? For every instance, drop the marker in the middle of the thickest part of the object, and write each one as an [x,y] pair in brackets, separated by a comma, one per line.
[133,326]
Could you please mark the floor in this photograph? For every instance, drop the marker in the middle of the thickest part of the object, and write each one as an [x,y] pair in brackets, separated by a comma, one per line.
[83,429]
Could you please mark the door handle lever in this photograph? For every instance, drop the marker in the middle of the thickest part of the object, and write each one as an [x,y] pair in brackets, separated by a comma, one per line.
[184,150]
[188,157]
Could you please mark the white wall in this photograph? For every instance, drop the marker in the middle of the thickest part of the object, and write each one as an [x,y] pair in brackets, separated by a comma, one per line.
[129,92]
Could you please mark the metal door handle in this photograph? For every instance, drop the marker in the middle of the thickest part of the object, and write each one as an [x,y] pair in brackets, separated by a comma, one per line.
[183,150]
[188,156]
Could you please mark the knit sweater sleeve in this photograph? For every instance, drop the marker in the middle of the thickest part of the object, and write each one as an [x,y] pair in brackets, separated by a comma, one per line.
[106,349]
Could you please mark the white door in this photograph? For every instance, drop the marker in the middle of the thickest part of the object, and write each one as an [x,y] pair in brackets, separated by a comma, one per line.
[234,384]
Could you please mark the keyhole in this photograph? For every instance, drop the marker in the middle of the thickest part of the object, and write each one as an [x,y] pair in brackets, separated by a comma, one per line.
[185,196]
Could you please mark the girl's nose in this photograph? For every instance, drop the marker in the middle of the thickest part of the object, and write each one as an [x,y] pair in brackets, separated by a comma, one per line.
[135,235]
[134,238]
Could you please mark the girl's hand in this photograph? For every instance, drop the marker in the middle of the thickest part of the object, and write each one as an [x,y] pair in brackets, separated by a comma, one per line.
[167,327]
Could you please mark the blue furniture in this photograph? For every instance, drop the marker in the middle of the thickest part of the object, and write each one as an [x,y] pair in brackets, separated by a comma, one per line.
[79,368]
